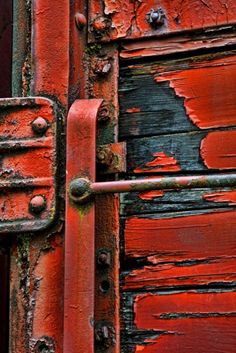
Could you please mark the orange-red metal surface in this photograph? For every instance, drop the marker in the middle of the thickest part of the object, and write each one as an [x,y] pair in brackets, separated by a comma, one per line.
[80,231]
[28,133]
[111,20]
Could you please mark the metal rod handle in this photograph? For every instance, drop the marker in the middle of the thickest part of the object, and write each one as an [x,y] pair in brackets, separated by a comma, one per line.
[82,190]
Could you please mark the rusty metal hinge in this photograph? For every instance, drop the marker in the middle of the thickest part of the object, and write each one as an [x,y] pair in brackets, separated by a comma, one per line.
[28,129]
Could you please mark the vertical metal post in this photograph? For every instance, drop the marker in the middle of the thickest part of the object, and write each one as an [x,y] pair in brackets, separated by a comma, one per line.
[80,231]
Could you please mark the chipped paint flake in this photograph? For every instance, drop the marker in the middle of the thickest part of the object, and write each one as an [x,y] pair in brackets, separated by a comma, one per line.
[161,163]
[222,196]
[218,150]
[201,87]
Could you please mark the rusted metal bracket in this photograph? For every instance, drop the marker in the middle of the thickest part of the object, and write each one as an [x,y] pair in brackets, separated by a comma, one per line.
[82,189]
[28,129]
[80,230]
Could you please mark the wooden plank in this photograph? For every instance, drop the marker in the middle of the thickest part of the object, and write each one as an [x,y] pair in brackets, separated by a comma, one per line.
[183,152]
[110,20]
[178,96]
[187,321]
[175,200]
[180,237]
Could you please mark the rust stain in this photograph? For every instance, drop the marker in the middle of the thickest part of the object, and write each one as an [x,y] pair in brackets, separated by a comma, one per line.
[221,196]
[218,150]
[133,110]
[201,87]
[161,163]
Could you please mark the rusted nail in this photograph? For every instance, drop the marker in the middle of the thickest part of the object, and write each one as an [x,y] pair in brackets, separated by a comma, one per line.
[156,18]
[40,125]
[104,258]
[37,204]
[102,67]
[80,20]
[103,113]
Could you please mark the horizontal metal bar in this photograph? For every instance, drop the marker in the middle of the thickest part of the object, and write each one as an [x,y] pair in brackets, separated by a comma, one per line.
[81,189]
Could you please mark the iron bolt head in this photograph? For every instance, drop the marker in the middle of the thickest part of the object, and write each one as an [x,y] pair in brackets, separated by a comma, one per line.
[104,258]
[80,190]
[37,204]
[80,20]
[40,125]
[156,18]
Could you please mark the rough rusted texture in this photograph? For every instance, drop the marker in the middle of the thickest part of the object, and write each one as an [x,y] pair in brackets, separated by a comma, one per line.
[80,231]
[111,20]
[36,285]
[23,181]
[4,298]
[50,49]
[35,265]
[5,47]
[77,71]
[107,299]
[104,86]
[111,158]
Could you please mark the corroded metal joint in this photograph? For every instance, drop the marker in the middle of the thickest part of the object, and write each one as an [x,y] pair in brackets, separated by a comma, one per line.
[80,190]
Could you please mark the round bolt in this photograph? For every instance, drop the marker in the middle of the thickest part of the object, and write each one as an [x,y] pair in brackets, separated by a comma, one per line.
[37,204]
[80,20]
[40,125]
[156,18]
[80,190]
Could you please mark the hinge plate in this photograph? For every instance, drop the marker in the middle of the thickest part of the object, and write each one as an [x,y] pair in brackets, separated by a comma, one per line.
[28,129]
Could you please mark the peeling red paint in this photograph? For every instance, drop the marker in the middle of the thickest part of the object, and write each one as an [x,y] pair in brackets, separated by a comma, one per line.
[187,321]
[208,91]
[150,195]
[128,19]
[133,110]
[221,196]
[161,163]
[213,270]
[218,150]
[195,237]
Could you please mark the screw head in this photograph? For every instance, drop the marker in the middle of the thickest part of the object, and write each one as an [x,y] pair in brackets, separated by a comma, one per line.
[80,20]
[156,18]
[37,204]
[40,125]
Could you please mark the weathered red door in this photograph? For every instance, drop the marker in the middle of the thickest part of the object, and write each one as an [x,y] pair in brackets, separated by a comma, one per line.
[166,70]
[146,270]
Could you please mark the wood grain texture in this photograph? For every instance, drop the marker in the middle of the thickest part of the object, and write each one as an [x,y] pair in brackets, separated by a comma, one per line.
[195,151]
[187,95]
[181,237]
[111,20]
[187,321]
[176,200]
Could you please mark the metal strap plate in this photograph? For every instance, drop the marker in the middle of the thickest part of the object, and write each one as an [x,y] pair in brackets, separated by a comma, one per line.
[27,164]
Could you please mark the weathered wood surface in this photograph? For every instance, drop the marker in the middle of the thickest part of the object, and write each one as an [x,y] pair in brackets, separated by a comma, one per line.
[179,117]
[111,19]
[178,96]
[185,152]
[176,200]
[182,321]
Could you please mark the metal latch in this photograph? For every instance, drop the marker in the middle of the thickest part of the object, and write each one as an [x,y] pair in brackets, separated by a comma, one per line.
[28,129]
